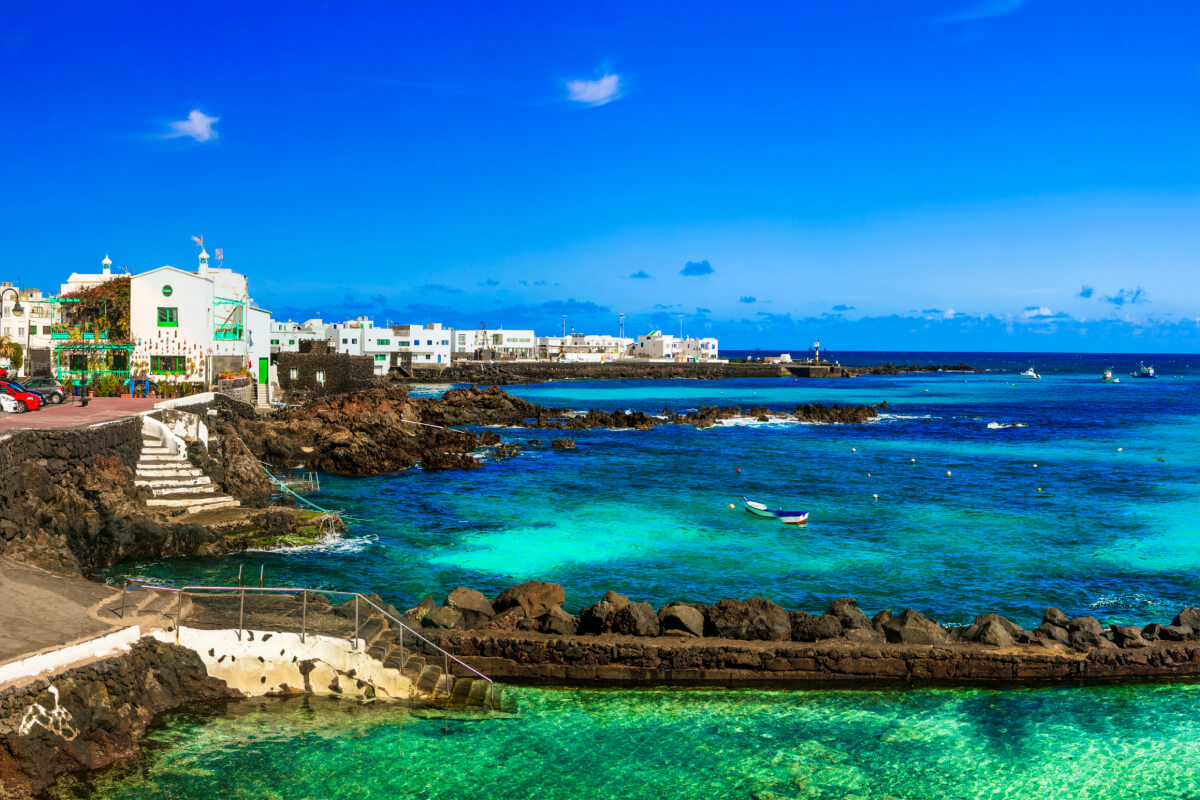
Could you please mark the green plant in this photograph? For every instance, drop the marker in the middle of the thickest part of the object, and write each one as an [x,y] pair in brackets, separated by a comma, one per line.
[16,355]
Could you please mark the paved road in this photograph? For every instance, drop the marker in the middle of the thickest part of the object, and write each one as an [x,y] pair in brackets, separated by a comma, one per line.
[69,415]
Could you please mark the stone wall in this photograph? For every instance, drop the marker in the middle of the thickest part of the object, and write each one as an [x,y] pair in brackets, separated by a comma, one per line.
[91,716]
[60,450]
[343,373]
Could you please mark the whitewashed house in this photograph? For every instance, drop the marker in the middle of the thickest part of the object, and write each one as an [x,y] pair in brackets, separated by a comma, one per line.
[497,343]
[86,280]
[287,336]
[25,319]
[586,348]
[657,346]
[191,327]
[426,345]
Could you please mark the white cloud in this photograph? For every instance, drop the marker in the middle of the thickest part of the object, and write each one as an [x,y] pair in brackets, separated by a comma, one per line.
[1032,312]
[594,93]
[198,125]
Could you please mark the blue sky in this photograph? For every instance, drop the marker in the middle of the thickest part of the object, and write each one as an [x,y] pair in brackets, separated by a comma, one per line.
[975,174]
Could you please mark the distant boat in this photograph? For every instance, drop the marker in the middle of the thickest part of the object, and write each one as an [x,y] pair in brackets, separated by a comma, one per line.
[1108,376]
[1030,373]
[786,517]
[1143,371]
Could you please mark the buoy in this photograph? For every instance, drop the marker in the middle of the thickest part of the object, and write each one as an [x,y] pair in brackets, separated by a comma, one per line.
[1039,488]
[853,449]
[875,496]
[739,469]
[947,473]
[731,505]
[868,474]
[1035,466]
[1119,449]
[912,461]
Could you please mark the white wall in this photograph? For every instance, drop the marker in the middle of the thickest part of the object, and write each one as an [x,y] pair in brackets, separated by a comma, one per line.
[192,338]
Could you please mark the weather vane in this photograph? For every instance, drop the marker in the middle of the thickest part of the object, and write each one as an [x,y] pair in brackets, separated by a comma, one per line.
[199,240]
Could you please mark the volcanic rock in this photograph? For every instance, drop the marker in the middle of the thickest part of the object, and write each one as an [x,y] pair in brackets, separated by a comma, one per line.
[847,612]
[563,444]
[418,611]
[912,627]
[442,617]
[807,628]
[1128,636]
[1084,632]
[559,622]
[678,618]
[534,597]
[597,618]
[636,619]
[618,601]
[1188,618]
[473,606]
[755,618]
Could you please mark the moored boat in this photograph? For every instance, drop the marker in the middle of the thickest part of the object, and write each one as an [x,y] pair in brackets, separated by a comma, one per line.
[760,509]
[786,517]
[1031,373]
[1143,371]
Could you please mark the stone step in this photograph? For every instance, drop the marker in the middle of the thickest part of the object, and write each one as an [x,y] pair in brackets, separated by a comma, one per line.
[167,457]
[430,679]
[227,502]
[190,501]
[168,474]
[156,450]
[155,482]
[163,491]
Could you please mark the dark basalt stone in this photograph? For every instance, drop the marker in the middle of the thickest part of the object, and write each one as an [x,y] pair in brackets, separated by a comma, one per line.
[442,617]
[1188,618]
[1128,636]
[912,627]
[755,618]
[1084,632]
[807,628]
[535,597]
[636,619]
[678,618]
[474,607]
[559,622]
[848,614]
[597,618]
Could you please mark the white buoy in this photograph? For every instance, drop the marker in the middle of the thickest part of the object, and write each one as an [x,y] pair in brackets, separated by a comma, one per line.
[1035,466]
[877,496]
[947,473]
[1119,449]
[853,449]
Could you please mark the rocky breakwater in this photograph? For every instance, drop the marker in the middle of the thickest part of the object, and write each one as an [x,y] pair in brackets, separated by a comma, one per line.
[93,715]
[524,634]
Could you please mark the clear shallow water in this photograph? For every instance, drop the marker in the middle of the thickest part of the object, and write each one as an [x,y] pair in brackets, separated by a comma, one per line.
[1095,742]
[1111,533]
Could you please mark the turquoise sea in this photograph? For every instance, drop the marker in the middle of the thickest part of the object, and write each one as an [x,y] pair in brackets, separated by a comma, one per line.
[1091,506]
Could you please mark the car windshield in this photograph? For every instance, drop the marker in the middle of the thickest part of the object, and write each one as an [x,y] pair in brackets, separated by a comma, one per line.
[17,386]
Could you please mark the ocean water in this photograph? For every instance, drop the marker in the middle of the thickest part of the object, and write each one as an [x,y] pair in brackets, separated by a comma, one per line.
[1114,743]
[1090,506]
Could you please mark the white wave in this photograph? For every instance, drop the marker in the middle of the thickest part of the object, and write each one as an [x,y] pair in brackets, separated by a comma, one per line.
[887,415]
[1001,425]
[333,543]
[755,422]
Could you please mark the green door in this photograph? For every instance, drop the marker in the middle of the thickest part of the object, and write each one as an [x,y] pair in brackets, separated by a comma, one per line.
[264,371]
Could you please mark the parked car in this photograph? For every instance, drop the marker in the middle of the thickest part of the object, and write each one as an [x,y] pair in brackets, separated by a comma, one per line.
[26,401]
[9,404]
[49,388]
[20,387]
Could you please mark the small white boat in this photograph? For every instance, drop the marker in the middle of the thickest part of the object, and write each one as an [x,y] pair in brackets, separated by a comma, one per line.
[1031,373]
[786,517]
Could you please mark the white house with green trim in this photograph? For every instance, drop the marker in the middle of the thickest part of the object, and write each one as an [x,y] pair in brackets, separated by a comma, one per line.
[190,327]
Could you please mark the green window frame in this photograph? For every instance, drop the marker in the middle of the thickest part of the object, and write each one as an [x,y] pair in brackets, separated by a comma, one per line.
[168,317]
[175,365]
[383,341]
[381,357]
[404,344]
[274,341]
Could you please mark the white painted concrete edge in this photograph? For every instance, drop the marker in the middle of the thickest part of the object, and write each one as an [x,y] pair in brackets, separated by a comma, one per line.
[52,661]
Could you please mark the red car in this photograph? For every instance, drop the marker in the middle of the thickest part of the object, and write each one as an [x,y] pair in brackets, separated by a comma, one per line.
[28,400]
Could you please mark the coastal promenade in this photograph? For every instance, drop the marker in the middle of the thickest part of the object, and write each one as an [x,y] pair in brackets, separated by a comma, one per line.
[70,415]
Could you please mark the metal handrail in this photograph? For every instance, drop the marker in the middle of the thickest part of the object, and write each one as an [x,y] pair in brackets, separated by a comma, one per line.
[305,590]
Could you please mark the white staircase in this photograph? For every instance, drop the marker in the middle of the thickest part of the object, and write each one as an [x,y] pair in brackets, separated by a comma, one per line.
[262,396]
[174,482]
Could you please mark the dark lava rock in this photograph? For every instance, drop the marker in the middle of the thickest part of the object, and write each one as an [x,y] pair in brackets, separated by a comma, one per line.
[474,607]
[618,601]
[755,618]
[534,597]
[1188,618]
[1084,632]
[442,618]
[563,444]
[505,621]
[993,630]
[881,619]
[1128,636]
[681,619]
[1055,617]
[847,612]
[559,622]
[1053,632]
[807,628]
[418,611]
[597,618]
[912,627]
[636,619]
[1168,633]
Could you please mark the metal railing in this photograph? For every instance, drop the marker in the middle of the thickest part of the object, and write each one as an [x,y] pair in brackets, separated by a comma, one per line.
[358,598]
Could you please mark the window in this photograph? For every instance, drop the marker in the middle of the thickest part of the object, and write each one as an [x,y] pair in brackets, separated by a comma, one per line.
[168,364]
[45,330]
[291,342]
[321,377]
[345,341]
[445,342]
[404,344]
[294,373]
[354,341]
[168,317]
[380,357]
[426,356]
[274,341]
[21,331]
[383,341]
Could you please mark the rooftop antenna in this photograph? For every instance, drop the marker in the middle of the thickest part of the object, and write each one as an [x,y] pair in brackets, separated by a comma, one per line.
[681,327]
[199,240]
[220,254]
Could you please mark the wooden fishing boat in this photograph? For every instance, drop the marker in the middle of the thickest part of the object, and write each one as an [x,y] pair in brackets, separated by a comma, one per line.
[786,517]
[757,508]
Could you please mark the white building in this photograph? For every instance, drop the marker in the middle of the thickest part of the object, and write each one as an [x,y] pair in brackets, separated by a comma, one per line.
[583,347]
[427,345]
[494,344]
[287,336]
[361,337]
[86,280]
[25,319]
[659,347]
[194,326]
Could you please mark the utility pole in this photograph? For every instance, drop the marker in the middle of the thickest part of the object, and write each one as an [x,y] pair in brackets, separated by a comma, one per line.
[621,338]
[564,326]
[681,327]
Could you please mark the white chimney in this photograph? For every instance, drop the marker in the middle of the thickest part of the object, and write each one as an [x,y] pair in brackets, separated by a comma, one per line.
[203,271]
[106,266]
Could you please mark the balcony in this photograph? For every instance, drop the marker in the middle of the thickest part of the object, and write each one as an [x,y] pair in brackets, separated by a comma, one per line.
[78,333]
[228,333]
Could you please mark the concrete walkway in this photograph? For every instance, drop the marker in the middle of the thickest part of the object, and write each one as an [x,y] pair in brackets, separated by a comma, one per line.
[39,610]
[69,415]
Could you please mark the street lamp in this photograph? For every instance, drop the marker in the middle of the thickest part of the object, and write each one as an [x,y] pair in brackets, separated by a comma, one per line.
[17,310]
